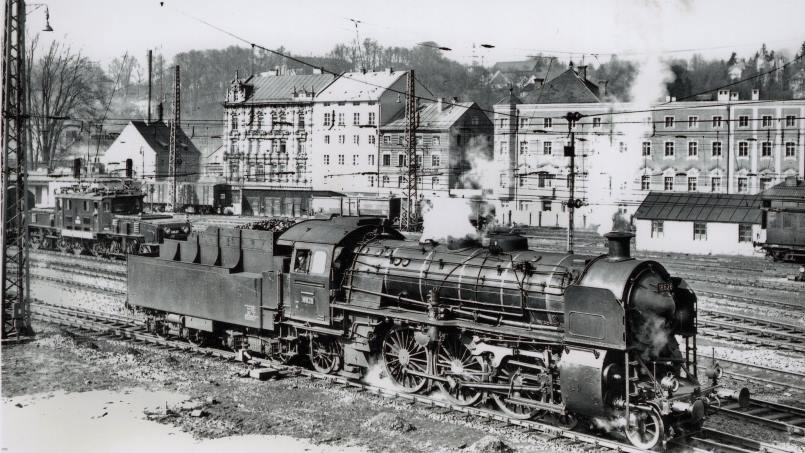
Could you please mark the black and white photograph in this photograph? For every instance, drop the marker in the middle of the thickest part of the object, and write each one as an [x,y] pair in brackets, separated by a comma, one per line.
[371,226]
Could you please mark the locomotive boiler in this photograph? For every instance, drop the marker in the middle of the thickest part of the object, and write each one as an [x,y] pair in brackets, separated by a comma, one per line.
[609,340]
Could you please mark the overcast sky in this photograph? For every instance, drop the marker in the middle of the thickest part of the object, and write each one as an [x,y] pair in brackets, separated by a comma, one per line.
[104,29]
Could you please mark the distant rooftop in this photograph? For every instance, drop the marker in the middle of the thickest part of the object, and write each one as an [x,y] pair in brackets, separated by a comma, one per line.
[566,88]
[700,207]
[791,189]
[432,117]
[280,88]
[359,86]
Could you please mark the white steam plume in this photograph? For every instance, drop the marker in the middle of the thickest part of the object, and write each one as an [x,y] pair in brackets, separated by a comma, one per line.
[447,217]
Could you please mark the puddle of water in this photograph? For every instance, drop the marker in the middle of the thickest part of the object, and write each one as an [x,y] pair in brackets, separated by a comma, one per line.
[104,421]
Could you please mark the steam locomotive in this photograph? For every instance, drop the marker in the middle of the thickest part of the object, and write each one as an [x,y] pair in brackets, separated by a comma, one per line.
[562,337]
[103,221]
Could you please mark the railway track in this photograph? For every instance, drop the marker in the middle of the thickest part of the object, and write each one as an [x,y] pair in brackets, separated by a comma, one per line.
[748,329]
[774,415]
[745,372]
[754,302]
[134,330]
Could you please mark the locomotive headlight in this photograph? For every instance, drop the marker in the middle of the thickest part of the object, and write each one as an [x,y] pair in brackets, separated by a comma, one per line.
[670,383]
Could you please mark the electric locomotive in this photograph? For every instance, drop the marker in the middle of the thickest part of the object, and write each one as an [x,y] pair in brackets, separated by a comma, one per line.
[610,339]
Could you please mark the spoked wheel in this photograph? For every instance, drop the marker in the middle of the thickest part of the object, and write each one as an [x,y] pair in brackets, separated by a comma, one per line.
[566,421]
[644,428]
[115,248]
[47,243]
[514,376]
[454,361]
[197,338]
[77,248]
[36,241]
[98,249]
[145,249]
[63,245]
[325,354]
[402,355]
[132,247]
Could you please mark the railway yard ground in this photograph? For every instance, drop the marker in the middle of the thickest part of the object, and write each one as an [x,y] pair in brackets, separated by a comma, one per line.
[751,317]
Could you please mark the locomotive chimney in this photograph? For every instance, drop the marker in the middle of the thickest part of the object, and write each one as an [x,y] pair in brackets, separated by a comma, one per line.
[619,243]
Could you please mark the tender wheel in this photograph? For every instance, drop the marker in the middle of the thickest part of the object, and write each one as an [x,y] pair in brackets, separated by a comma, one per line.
[36,241]
[567,421]
[401,355]
[325,354]
[63,245]
[98,249]
[454,361]
[47,243]
[514,376]
[644,429]
[115,248]
[197,338]
[132,247]
[77,248]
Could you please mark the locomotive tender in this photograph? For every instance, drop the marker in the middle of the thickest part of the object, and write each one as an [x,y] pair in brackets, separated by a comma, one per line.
[560,336]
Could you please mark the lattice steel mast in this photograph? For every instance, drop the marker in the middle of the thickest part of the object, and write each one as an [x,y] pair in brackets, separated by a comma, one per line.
[173,158]
[16,314]
[409,220]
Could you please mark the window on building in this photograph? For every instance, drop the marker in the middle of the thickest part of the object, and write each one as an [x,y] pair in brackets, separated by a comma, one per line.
[790,120]
[356,119]
[790,148]
[692,184]
[435,160]
[458,140]
[326,159]
[385,180]
[300,120]
[716,121]
[356,139]
[744,232]
[765,183]
[743,121]
[743,149]
[386,160]
[657,227]
[668,183]
[523,147]
[523,205]
[693,122]
[370,159]
[401,160]
[341,119]
[328,121]
[547,148]
[342,139]
[699,231]
[523,123]
[504,147]
[326,139]
[372,140]
[546,205]
[645,182]
[716,149]
[504,123]
[669,149]
[474,121]
[766,121]
[233,121]
[371,181]
[371,118]
[340,159]
[435,140]
[541,177]
[693,149]
[765,149]
[502,181]
[399,181]
[386,140]
[400,140]
[743,185]
[622,147]
[715,184]
[547,123]
[434,181]
[354,159]
[647,149]
[521,180]
[669,121]
[596,123]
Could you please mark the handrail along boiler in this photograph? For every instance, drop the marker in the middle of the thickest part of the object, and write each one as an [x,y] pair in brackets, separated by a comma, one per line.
[559,336]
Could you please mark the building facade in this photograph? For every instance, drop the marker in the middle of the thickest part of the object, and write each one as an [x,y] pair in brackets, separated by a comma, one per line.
[266,153]
[449,134]
[347,116]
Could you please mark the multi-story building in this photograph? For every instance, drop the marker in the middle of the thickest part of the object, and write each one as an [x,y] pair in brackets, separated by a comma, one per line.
[267,138]
[724,145]
[347,116]
[448,133]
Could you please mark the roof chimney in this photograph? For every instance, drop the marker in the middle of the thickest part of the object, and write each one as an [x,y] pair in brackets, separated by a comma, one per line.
[755,94]
[160,111]
[619,243]
[440,104]
[604,84]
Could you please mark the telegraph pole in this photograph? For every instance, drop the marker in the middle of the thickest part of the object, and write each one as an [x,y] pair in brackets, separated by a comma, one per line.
[15,287]
[173,158]
[410,217]
[570,151]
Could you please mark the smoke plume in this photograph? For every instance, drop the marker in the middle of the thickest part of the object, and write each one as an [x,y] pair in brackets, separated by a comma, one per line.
[444,218]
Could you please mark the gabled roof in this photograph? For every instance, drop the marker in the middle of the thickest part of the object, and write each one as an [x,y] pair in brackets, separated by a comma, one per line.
[158,136]
[509,99]
[431,117]
[359,86]
[566,88]
[790,190]
[281,88]
[700,207]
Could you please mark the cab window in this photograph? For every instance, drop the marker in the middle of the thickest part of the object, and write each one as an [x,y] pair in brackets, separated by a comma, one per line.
[310,262]
[124,206]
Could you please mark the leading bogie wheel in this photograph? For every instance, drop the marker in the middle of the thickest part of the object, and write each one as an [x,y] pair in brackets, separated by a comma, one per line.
[325,354]
[644,429]
[405,360]
[456,363]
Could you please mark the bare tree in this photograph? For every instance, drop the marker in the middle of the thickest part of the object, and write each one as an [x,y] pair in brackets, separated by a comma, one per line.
[63,84]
